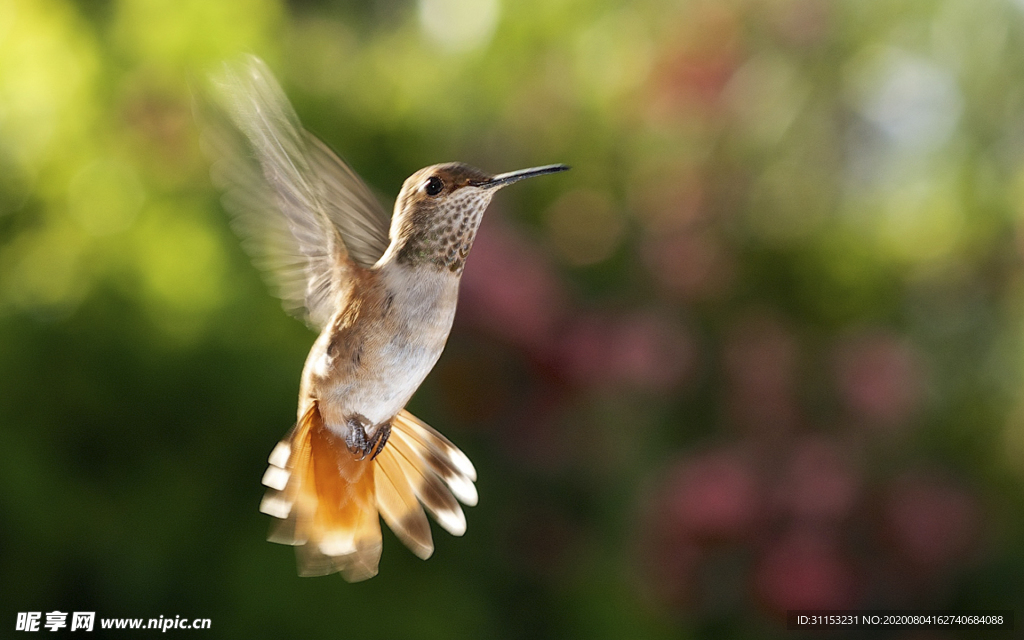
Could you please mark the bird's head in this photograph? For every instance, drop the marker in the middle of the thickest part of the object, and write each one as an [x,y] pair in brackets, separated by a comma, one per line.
[440,207]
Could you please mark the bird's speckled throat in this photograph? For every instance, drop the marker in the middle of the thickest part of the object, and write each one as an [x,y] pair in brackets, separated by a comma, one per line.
[442,235]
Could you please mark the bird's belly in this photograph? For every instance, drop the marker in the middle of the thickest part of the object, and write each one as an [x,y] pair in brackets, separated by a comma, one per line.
[383,388]
[376,385]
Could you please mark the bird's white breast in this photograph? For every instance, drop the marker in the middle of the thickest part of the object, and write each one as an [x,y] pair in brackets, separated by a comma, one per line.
[407,344]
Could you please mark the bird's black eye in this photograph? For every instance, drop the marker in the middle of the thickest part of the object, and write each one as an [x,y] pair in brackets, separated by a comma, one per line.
[434,186]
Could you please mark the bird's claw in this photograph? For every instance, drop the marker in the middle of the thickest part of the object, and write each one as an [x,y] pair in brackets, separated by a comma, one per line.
[358,442]
[380,438]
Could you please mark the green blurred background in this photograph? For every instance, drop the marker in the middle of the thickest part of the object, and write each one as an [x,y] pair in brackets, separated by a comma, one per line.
[761,349]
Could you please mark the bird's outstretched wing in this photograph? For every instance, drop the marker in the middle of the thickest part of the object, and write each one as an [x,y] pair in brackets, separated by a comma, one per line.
[304,215]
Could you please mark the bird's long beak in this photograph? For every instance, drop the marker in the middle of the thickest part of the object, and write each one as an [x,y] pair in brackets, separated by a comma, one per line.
[515,176]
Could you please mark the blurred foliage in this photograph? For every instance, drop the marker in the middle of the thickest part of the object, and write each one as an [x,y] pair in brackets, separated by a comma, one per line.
[761,349]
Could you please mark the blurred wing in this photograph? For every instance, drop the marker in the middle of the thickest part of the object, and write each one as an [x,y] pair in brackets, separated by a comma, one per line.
[350,204]
[291,198]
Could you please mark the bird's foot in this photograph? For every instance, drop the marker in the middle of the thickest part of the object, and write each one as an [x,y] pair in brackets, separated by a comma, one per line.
[356,439]
[358,442]
[380,438]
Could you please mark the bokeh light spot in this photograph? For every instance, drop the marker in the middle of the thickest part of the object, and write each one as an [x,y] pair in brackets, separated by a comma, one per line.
[915,101]
[47,66]
[766,93]
[879,377]
[181,263]
[459,25]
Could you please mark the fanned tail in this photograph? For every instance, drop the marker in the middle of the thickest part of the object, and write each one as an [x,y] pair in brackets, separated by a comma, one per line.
[325,499]
[328,499]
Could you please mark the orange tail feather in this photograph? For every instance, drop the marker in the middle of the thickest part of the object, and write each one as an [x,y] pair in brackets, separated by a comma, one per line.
[328,499]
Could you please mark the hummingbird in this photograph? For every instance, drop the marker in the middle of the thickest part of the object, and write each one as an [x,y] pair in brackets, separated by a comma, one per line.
[381,291]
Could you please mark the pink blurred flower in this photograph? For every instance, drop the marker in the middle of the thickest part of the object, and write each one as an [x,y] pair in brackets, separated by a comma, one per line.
[879,377]
[510,288]
[806,570]
[931,521]
[694,72]
[713,497]
[639,350]
[821,482]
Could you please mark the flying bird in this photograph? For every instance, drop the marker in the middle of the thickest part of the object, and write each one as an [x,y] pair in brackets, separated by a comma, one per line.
[382,291]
